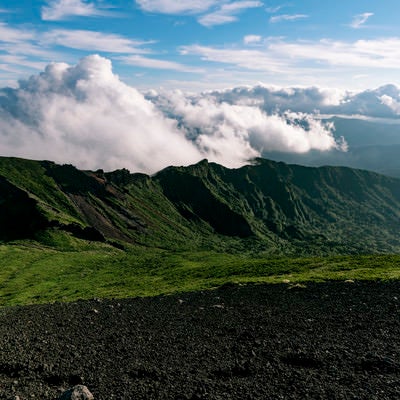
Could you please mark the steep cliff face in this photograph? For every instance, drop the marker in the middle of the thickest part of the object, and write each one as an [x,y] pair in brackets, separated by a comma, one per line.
[19,214]
[265,204]
[197,200]
[329,206]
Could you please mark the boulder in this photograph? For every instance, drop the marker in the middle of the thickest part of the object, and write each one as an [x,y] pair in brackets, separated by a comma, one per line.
[78,392]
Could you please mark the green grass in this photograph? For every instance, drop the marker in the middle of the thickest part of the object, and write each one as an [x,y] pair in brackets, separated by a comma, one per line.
[33,273]
[30,176]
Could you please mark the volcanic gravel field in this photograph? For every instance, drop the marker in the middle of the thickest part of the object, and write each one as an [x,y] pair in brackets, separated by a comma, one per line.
[323,341]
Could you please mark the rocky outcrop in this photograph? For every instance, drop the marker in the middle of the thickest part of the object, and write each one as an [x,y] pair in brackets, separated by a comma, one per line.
[78,392]
[19,215]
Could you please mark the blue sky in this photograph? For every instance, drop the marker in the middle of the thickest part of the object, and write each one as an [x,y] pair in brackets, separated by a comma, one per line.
[208,44]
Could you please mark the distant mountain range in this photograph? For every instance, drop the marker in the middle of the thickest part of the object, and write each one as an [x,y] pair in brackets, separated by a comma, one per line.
[267,207]
[368,122]
[372,145]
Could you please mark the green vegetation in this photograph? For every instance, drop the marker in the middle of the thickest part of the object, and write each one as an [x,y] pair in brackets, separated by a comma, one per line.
[30,176]
[34,273]
[67,234]
[269,207]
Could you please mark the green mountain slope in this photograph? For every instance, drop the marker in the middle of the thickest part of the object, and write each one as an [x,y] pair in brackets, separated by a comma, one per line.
[266,207]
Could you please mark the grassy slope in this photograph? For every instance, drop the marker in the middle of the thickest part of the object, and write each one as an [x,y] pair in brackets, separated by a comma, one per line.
[33,273]
[270,206]
[30,176]
[173,253]
[291,208]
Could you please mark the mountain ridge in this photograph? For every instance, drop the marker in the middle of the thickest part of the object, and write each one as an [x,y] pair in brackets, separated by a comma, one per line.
[266,206]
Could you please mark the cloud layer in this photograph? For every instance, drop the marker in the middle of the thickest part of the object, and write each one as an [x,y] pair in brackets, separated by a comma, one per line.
[241,129]
[382,102]
[85,115]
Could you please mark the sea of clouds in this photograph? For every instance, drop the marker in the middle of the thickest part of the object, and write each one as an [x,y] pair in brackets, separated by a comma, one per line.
[85,115]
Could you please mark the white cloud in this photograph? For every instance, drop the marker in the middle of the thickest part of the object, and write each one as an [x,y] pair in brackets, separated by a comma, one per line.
[360,20]
[234,132]
[20,49]
[280,99]
[217,18]
[287,17]
[146,62]
[258,60]
[298,57]
[392,103]
[216,12]
[61,9]
[250,39]
[227,13]
[24,48]
[86,116]
[176,6]
[13,35]
[21,61]
[273,10]
[93,41]
[383,102]
[378,53]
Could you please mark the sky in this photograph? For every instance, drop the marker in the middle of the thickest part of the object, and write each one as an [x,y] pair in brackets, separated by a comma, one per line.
[207,44]
[144,84]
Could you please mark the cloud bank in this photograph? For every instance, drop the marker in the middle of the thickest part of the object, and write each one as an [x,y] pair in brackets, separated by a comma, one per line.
[372,103]
[242,129]
[85,115]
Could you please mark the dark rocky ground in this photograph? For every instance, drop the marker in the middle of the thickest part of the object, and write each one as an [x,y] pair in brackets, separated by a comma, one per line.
[325,341]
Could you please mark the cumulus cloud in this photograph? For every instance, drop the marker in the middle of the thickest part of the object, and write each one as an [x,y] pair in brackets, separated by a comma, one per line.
[392,103]
[243,130]
[279,99]
[370,103]
[86,116]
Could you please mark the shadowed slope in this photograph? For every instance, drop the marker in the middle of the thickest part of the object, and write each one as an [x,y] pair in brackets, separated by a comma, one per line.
[266,206]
